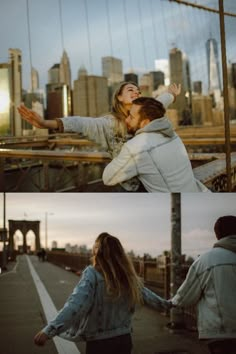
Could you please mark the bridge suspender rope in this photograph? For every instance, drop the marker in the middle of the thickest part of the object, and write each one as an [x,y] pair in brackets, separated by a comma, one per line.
[226,96]
[61,27]
[127,34]
[225,79]
[30,48]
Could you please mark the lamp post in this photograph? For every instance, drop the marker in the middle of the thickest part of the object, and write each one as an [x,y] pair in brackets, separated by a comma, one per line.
[4,254]
[46,228]
[177,320]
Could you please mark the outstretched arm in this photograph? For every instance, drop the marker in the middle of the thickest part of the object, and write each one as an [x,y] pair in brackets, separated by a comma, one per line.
[35,119]
[170,96]
[174,89]
[153,300]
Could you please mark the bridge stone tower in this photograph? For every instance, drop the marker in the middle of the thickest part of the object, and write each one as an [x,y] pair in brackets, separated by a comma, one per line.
[24,226]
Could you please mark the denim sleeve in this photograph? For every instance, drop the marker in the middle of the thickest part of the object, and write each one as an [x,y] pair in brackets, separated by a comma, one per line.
[98,130]
[77,305]
[191,290]
[153,300]
[166,99]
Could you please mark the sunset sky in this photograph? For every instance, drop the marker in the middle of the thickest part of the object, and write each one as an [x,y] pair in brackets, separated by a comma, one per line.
[141,221]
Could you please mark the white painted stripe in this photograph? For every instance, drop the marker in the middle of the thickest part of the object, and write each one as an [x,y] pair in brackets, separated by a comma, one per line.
[63,346]
[11,271]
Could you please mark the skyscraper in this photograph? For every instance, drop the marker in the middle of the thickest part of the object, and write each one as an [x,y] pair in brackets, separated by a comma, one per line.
[157,78]
[112,69]
[34,79]
[131,77]
[58,100]
[90,95]
[54,74]
[5,100]
[58,90]
[180,73]
[214,82]
[16,89]
[65,71]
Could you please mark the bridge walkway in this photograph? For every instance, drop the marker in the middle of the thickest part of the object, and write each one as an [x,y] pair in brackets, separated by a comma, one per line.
[32,290]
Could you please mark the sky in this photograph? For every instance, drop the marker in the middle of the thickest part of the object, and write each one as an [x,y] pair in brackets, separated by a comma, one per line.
[141,221]
[136,31]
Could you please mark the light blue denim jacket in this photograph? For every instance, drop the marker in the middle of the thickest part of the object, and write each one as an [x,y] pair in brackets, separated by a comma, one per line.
[103,131]
[89,314]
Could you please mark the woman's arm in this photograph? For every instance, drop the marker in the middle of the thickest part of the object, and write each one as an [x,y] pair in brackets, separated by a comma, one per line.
[77,305]
[170,96]
[153,300]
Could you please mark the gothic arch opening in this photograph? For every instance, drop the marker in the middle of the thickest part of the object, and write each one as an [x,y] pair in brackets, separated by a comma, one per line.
[26,227]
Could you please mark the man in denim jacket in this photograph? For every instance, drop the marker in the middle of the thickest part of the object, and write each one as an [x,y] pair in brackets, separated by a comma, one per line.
[211,285]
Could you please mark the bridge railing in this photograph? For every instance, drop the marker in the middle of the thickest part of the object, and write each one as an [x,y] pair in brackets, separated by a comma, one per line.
[37,170]
[55,164]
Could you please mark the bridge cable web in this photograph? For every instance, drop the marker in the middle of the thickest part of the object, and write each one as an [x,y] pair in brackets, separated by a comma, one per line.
[127,35]
[154,29]
[88,37]
[61,26]
[92,76]
[29,44]
[142,36]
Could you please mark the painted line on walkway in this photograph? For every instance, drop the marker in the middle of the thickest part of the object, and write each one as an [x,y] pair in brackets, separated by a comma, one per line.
[63,346]
[11,271]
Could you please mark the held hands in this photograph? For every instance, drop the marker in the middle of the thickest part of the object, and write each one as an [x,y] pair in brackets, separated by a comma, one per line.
[40,338]
[31,117]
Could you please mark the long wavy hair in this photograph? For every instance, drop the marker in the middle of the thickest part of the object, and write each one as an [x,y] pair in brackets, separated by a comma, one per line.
[110,259]
[117,109]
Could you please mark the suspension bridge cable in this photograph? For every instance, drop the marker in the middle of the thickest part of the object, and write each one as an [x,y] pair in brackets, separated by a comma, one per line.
[154,28]
[61,26]
[109,27]
[29,42]
[142,35]
[182,2]
[226,96]
[88,36]
[127,34]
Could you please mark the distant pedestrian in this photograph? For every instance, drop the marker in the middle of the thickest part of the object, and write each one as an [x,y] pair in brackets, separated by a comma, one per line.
[100,309]
[42,255]
[211,285]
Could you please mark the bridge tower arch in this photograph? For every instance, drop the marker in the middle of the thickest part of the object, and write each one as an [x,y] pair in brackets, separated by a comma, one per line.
[24,226]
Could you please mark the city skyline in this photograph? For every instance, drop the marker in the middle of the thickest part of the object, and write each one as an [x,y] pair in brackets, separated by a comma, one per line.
[141,221]
[87,35]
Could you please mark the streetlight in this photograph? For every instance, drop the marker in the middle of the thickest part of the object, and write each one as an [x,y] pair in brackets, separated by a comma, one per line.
[46,228]
[4,235]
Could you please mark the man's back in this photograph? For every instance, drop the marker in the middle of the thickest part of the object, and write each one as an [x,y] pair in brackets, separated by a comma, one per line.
[211,283]
[162,163]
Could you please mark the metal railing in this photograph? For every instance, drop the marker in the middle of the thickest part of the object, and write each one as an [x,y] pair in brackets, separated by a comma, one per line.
[66,163]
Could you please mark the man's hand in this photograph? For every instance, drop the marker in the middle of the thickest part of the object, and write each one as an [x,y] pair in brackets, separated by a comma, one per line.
[40,338]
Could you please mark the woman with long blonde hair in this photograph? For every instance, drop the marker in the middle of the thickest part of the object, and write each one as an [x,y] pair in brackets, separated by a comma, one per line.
[109,131]
[100,309]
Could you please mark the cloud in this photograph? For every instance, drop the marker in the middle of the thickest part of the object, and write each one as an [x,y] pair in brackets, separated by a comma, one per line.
[197,241]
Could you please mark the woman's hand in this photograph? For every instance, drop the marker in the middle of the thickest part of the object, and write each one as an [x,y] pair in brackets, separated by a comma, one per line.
[174,89]
[31,117]
[40,338]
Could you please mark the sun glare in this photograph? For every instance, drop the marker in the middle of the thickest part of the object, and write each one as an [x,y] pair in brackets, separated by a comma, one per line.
[4,102]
